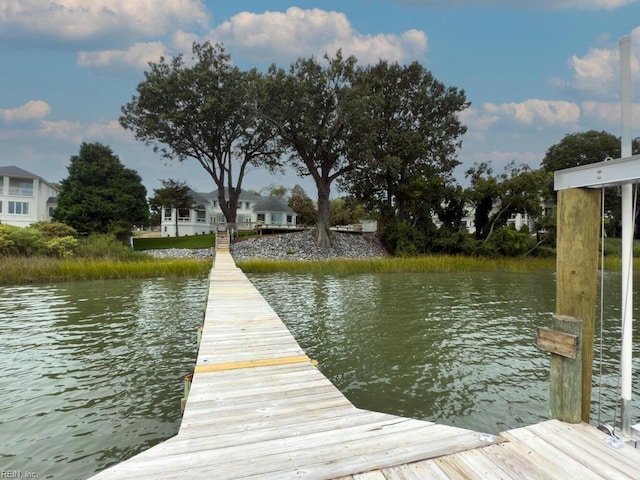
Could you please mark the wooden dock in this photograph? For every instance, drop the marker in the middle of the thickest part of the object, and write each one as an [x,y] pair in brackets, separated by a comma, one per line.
[260,409]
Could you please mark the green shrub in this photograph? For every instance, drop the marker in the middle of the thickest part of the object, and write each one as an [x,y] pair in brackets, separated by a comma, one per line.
[105,246]
[62,247]
[26,241]
[6,244]
[55,229]
[511,242]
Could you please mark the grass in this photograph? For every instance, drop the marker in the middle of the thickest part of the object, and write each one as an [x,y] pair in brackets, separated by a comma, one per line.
[613,247]
[423,264]
[22,270]
[194,241]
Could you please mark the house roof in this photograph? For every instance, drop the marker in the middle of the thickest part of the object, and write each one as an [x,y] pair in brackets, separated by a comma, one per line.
[200,197]
[272,204]
[13,171]
[244,195]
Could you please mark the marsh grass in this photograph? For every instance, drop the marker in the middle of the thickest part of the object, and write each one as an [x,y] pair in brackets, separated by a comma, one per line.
[21,270]
[436,263]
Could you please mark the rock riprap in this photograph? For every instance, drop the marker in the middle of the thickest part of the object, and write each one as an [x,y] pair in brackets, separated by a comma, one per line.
[301,246]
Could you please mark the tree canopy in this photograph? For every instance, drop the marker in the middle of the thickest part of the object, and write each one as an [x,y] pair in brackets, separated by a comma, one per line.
[100,195]
[588,147]
[413,132]
[304,207]
[312,105]
[204,110]
[581,149]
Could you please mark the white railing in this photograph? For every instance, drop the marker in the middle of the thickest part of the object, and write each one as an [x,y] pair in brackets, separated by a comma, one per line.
[25,192]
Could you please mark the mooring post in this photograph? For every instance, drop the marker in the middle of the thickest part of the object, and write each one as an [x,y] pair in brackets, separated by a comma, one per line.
[563,341]
[577,272]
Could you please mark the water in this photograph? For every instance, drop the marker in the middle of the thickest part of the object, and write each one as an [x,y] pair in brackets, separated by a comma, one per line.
[455,348]
[92,372]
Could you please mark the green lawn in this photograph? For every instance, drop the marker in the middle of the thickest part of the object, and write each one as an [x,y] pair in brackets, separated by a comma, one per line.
[195,241]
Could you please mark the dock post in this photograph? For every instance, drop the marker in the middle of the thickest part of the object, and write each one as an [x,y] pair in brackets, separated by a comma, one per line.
[563,340]
[577,271]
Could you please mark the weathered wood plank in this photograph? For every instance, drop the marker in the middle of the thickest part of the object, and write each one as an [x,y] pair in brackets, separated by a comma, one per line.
[546,456]
[590,450]
[560,343]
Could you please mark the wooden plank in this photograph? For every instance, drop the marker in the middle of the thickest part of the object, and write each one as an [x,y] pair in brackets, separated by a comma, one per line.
[591,451]
[560,343]
[547,457]
[428,470]
[263,362]
[518,466]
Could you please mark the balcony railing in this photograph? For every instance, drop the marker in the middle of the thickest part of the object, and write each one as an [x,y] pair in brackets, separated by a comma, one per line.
[24,192]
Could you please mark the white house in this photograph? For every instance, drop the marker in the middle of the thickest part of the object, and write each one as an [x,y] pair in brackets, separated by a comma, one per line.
[254,212]
[25,198]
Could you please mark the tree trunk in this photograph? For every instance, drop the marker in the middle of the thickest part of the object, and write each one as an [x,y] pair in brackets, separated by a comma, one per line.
[322,227]
[176,223]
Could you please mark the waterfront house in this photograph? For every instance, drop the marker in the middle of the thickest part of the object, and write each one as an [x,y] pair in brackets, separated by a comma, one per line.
[254,212]
[25,198]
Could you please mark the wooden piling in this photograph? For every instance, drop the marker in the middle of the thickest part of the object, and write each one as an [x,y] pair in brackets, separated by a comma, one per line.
[577,271]
[565,390]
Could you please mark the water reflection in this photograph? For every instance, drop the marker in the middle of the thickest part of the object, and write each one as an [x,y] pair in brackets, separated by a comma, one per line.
[456,348]
[93,371]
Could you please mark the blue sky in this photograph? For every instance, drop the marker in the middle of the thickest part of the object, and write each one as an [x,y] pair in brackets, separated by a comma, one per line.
[533,70]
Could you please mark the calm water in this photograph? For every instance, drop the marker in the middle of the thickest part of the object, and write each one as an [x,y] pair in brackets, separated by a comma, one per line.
[92,372]
[456,348]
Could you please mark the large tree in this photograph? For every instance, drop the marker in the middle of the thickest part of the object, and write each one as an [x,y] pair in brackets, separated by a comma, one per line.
[313,107]
[495,197]
[588,147]
[411,142]
[100,195]
[204,110]
[581,149]
[174,195]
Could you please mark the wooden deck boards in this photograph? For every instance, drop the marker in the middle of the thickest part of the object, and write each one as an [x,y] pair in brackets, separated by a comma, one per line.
[259,409]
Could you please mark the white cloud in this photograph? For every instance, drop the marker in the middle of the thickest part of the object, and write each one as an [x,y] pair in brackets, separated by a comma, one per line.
[78,132]
[609,115]
[597,73]
[550,112]
[137,56]
[81,19]
[297,32]
[477,123]
[32,110]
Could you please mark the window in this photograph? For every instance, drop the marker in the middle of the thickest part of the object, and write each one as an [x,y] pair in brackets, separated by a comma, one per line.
[201,214]
[1,185]
[18,208]
[167,213]
[19,186]
[51,210]
[289,219]
[184,215]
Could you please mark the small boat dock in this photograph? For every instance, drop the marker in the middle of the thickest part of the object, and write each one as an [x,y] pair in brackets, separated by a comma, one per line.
[259,408]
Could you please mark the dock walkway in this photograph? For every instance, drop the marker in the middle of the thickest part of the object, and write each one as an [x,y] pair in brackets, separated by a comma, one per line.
[259,409]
